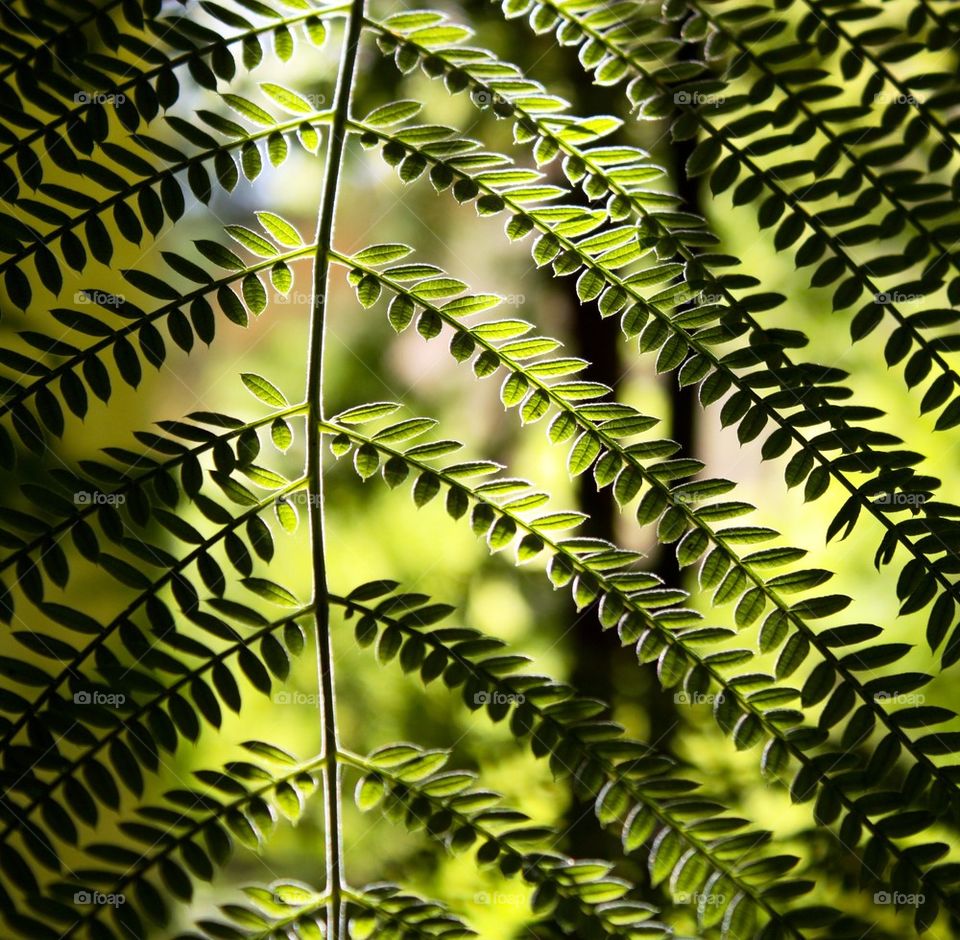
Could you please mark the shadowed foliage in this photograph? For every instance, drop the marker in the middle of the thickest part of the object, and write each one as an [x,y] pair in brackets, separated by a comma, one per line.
[147,591]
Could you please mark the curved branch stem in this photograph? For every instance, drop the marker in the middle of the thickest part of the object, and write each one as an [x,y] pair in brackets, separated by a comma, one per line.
[336,915]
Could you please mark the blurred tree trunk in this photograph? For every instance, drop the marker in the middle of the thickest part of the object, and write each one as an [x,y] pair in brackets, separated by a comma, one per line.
[600,669]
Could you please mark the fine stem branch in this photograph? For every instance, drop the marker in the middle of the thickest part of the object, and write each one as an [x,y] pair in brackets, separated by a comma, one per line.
[336,920]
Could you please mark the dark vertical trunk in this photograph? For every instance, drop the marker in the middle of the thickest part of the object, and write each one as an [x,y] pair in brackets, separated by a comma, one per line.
[600,668]
[597,663]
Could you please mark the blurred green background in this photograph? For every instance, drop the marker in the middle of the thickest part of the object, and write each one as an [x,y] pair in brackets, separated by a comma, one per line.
[377,533]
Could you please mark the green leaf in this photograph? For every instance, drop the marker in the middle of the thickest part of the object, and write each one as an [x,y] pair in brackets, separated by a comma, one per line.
[394,113]
[251,240]
[280,229]
[270,591]
[249,110]
[264,390]
[584,452]
[362,414]
[287,99]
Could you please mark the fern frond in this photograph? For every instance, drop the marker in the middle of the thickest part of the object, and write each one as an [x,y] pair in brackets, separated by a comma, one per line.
[635,791]
[861,450]
[152,205]
[682,505]
[684,339]
[163,713]
[147,588]
[411,788]
[748,707]
[240,803]
[79,371]
[146,571]
[379,910]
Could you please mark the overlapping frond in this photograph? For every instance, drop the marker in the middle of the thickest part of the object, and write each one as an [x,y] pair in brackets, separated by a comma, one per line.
[121,118]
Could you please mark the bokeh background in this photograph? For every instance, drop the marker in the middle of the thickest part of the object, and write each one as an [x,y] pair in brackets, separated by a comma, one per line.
[378,533]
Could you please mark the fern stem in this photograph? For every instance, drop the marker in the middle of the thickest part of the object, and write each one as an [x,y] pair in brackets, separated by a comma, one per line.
[336,914]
